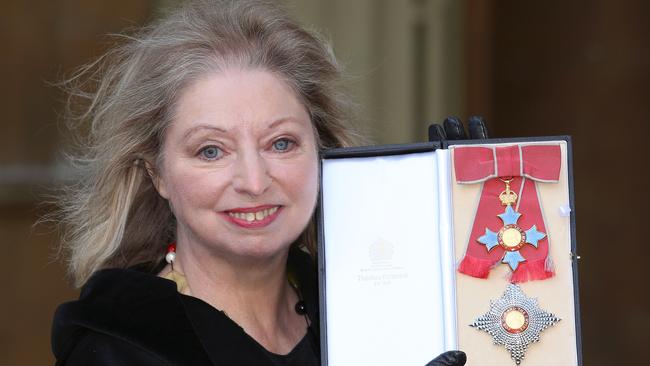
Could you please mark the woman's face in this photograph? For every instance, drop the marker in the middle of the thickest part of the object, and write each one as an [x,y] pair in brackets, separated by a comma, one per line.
[239,165]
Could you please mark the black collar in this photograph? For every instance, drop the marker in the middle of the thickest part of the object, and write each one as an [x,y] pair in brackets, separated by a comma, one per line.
[146,310]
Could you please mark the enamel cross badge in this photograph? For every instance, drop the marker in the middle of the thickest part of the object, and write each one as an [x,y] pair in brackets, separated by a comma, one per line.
[508,226]
[510,237]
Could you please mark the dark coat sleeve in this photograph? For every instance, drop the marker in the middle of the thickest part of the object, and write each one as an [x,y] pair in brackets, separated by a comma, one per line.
[97,349]
[126,317]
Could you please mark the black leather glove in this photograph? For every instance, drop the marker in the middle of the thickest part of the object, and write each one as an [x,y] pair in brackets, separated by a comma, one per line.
[449,358]
[452,129]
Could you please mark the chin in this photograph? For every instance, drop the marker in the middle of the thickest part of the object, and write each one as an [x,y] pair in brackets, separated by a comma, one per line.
[259,248]
[257,253]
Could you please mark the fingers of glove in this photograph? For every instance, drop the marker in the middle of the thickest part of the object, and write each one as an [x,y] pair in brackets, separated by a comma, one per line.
[449,358]
[436,133]
[454,129]
[476,128]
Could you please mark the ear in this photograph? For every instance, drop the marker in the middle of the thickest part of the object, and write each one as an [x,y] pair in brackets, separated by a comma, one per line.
[157,180]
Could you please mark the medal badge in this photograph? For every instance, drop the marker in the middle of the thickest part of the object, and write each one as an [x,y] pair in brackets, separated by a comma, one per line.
[515,321]
[511,237]
[515,235]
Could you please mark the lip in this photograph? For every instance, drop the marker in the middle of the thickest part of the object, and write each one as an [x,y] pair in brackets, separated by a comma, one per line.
[251,209]
[252,224]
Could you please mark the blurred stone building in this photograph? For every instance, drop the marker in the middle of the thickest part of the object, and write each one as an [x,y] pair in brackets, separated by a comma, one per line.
[531,68]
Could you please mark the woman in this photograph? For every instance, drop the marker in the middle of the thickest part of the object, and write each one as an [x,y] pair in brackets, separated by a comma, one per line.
[190,227]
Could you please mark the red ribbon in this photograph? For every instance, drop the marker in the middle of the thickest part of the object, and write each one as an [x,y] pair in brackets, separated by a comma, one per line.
[529,164]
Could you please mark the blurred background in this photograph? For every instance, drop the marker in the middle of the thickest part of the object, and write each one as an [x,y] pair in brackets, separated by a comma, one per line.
[531,68]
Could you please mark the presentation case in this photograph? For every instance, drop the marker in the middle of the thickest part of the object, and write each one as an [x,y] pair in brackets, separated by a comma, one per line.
[436,246]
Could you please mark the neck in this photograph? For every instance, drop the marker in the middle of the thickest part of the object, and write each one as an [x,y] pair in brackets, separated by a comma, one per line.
[254,293]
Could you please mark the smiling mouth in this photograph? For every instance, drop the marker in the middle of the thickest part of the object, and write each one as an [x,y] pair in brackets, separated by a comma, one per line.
[253,216]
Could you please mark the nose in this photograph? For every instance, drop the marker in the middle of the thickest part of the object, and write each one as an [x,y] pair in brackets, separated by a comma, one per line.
[251,174]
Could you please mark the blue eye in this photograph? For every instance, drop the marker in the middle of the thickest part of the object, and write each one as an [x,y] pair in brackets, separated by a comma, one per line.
[282,145]
[210,153]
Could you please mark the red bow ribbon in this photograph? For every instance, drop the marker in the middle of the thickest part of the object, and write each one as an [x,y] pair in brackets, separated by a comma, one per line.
[527,164]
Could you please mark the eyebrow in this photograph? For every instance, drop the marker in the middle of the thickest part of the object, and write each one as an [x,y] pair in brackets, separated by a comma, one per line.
[198,128]
[274,124]
[286,119]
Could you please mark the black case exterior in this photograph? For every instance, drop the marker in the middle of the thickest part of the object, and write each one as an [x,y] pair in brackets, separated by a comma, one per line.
[402,149]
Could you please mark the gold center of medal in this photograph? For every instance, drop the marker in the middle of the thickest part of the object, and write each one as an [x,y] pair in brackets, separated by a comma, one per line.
[511,237]
[514,320]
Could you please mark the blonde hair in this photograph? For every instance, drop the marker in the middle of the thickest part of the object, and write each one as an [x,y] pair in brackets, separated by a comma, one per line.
[113,216]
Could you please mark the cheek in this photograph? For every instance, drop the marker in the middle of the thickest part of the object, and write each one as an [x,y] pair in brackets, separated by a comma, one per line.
[189,190]
[304,182]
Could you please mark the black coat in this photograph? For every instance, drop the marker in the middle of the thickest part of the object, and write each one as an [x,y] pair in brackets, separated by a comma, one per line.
[131,317]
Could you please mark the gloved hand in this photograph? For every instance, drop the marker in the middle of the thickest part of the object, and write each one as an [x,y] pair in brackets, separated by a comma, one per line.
[453,129]
[449,358]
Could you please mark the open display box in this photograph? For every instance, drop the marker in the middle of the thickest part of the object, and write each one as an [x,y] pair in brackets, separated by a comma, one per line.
[419,245]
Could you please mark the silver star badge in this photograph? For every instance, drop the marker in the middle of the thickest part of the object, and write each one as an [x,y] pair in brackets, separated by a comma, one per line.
[515,321]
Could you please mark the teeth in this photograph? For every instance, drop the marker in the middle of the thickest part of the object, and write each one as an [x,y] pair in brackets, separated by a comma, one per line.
[253,216]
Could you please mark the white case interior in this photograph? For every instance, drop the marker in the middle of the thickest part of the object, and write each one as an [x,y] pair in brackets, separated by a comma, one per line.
[389,259]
